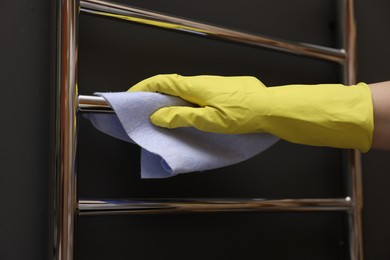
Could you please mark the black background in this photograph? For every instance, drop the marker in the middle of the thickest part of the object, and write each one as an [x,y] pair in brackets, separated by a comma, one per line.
[113,56]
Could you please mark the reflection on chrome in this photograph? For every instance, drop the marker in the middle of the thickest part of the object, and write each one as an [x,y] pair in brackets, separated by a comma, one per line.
[154,206]
[136,15]
[93,104]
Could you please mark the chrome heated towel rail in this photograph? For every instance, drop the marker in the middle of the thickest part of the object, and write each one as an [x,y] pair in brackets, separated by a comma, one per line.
[67,205]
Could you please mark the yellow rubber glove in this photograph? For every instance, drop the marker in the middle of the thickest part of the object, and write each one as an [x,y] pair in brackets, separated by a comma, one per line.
[330,115]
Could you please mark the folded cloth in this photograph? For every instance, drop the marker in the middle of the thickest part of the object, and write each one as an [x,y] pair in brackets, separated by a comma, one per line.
[168,152]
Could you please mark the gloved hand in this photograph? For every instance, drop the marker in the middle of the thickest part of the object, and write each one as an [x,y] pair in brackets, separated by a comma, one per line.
[331,115]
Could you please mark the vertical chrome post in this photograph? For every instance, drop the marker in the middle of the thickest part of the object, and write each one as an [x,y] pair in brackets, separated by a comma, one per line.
[354,158]
[66,126]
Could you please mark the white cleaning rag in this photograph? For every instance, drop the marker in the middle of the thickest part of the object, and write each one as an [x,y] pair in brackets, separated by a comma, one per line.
[168,152]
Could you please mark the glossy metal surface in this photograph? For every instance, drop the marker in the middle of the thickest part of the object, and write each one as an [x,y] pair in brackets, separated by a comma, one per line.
[157,206]
[355,216]
[354,170]
[136,15]
[93,104]
[66,124]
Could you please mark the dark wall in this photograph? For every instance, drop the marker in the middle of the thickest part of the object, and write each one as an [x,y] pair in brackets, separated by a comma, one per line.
[24,129]
[113,56]
[374,66]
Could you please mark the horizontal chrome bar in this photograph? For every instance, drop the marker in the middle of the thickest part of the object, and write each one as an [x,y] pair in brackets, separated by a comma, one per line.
[155,206]
[93,104]
[136,15]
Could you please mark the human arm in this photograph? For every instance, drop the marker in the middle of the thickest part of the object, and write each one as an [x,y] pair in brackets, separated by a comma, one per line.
[381,103]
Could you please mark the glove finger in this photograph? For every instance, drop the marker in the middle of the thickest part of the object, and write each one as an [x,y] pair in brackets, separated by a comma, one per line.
[164,83]
[201,118]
